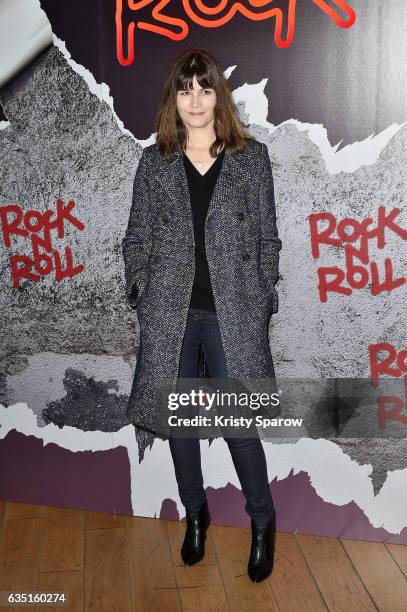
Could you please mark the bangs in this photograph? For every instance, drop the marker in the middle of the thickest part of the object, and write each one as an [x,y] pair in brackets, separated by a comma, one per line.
[185,79]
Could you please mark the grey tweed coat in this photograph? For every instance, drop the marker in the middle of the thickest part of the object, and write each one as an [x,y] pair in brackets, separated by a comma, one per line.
[242,246]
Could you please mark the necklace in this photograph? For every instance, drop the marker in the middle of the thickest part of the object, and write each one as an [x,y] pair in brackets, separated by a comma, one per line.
[200,163]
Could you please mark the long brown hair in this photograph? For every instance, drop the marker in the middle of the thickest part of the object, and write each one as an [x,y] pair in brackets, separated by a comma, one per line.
[229,129]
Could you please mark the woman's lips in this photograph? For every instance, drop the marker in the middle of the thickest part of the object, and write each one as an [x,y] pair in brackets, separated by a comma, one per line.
[196,114]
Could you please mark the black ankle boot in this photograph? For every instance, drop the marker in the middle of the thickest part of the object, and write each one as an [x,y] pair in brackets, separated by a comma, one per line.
[262,550]
[193,547]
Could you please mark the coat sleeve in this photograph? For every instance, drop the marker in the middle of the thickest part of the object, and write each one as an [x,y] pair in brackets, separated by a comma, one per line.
[137,242]
[270,242]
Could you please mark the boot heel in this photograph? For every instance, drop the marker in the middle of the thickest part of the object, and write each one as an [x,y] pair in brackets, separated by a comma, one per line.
[193,547]
[261,558]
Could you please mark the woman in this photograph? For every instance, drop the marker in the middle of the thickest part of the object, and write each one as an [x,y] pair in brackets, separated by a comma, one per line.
[201,256]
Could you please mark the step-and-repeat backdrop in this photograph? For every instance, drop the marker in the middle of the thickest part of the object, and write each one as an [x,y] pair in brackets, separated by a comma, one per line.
[323,84]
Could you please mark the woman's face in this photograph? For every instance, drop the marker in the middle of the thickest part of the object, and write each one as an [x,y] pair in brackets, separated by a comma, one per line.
[196,106]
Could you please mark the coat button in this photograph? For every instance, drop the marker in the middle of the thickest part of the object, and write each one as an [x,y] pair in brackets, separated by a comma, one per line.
[246,256]
[165,218]
[241,216]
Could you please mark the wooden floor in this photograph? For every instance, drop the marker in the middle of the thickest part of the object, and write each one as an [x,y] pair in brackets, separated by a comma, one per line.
[121,563]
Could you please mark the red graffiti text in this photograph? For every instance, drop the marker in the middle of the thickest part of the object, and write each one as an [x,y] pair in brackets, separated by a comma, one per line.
[36,227]
[393,363]
[359,271]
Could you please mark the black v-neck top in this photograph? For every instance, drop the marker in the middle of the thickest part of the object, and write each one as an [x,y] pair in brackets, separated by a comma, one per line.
[200,191]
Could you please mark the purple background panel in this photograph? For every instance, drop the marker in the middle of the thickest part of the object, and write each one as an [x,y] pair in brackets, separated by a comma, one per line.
[50,475]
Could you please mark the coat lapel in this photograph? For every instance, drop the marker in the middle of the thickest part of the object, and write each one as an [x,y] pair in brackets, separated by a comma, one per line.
[173,180]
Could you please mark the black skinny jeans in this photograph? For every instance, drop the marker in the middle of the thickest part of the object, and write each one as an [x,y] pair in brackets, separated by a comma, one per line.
[247,453]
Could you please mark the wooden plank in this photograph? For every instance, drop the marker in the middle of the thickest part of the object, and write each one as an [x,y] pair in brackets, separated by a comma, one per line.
[63,582]
[62,547]
[19,555]
[337,579]
[399,554]
[232,549]
[15,510]
[2,514]
[291,580]
[103,520]
[19,576]
[21,539]
[380,574]
[152,574]
[200,585]
[201,589]
[107,585]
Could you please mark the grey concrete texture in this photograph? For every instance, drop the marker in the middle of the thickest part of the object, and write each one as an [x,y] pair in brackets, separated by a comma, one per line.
[63,141]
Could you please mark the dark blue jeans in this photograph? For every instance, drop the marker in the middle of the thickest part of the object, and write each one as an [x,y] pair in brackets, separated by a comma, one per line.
[247,453]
